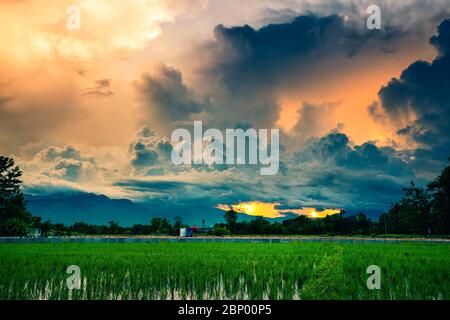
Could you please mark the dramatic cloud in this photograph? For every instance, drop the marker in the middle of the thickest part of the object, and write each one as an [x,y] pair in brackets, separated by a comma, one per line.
[329,172]
[314,121]
[149,153]
[68,169]
[421,98]
[242,74]
[308,67]
[63,163]
[50,73]
[248,56]
[351,176]
[326,172]
[336,149]
[245,66]
[166,98]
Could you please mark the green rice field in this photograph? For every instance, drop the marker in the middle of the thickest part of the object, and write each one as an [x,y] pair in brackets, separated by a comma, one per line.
[225,271]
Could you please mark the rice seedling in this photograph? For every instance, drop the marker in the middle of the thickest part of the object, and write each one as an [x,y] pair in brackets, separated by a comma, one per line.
[225,271]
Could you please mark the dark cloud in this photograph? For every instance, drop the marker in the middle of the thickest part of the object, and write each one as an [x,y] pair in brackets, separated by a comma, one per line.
[246,57]
[69,152]
[61,164]
[198,192]
[245,53]
[243,71]
[148,150]
[423,92]
[331,171]
[142,185]
[70,170]
[336,149]
[66,163]
[285,56]
[442,40]
[166,97]
[328,172]
[247,67]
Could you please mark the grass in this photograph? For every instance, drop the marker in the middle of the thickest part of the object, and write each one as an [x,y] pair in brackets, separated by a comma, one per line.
[225,271]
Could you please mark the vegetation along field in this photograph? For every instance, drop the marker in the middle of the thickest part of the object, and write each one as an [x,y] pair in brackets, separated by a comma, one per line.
[225,271]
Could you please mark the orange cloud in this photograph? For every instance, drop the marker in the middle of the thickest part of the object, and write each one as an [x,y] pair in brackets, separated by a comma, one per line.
[255,208]
[269,210]
[40,27]
[313,212]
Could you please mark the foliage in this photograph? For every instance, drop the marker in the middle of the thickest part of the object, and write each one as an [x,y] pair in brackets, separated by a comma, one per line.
[14,218]
[421,211]
[440,202]
[220,231]
[162,226]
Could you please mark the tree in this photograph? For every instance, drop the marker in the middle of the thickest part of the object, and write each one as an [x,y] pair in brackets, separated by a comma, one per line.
[259,225]
[231,219]
[140,229]
[113,227]
[14,218]
[410,215]
[160,226]
[415,210]
[440,203]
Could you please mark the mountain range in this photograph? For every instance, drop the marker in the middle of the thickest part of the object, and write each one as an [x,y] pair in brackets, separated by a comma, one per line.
[68,208]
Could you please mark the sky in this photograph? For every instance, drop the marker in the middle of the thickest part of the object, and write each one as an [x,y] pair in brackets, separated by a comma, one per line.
[361,112]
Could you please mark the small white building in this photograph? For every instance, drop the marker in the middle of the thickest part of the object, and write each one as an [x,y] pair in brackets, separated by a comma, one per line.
[35,232]
[185,232]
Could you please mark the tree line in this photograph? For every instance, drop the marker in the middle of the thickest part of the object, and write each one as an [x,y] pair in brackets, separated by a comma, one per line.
[157,226]
[421,211]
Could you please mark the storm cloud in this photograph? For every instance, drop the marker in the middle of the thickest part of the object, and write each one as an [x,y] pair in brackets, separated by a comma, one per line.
[149,152]
[165,97]
[422,96]
[243,72]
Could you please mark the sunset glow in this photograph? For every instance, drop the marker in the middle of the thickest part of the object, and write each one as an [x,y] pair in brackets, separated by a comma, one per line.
[313,212]
[269,210]
[255,208]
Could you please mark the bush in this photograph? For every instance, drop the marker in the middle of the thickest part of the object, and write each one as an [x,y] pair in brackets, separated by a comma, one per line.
[220,231]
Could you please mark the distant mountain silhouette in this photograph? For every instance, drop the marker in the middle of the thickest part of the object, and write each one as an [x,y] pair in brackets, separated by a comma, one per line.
[68,208]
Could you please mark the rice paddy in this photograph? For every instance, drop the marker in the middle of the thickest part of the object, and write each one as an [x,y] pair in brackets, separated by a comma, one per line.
[225,271]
